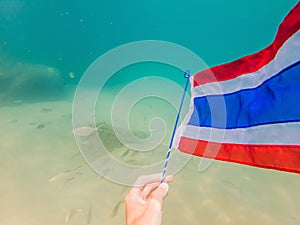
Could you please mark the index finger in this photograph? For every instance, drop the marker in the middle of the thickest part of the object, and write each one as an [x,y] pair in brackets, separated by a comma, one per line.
[142,181]
[149,179]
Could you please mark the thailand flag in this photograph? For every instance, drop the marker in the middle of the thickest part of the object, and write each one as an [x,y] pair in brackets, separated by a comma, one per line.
[248,111]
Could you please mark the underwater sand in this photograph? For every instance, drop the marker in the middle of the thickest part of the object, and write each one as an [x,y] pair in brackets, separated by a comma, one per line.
[37,144]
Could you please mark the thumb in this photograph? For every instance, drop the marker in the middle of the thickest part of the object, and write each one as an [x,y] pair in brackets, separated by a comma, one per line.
[160,193]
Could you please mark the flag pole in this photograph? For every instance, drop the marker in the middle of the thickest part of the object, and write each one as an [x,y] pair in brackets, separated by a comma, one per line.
[187,76]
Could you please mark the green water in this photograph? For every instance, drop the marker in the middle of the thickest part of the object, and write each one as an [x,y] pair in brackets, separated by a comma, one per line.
[46,47]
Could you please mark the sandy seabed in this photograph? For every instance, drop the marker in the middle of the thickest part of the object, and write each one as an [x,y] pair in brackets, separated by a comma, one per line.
[37,143]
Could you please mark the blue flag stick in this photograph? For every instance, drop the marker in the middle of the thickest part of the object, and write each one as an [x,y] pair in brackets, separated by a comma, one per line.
[187,76]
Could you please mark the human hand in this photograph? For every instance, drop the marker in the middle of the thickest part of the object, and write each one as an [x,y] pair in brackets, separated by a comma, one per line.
[145,199]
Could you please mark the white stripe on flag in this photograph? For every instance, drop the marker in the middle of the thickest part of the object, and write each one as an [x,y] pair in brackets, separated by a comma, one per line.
[288,54]
[275,134]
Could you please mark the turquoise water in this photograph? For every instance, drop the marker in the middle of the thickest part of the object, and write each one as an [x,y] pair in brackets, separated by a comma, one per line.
[71,35]
[45,48]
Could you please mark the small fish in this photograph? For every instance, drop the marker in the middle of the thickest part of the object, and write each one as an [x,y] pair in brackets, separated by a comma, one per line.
[13,121]
[125,153]
[89,215]
[116,209]
[72,213]
[86,131]
[71,75]
[40,126]
[77,168]
[231,185]
[46,110]
[65,176]
[132,162]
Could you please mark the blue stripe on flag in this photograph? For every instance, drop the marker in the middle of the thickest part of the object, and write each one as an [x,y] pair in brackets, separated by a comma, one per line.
[277,100]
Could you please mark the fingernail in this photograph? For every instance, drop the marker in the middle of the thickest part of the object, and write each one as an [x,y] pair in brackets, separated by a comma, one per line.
[164,186]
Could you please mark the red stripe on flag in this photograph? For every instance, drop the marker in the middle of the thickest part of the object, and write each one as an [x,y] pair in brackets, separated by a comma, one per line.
[279,157]
[252,63]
